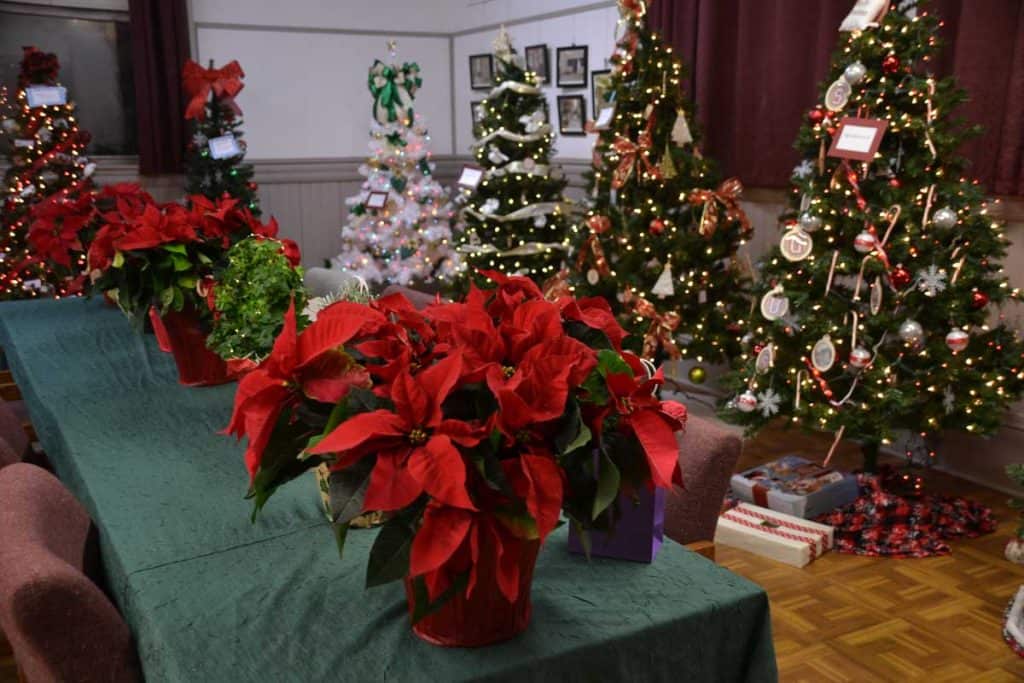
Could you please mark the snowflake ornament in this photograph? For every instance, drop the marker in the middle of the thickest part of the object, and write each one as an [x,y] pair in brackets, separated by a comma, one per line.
[804,169]
[199,139]
[490,206]
[768,402]
[932,281]
[532,122]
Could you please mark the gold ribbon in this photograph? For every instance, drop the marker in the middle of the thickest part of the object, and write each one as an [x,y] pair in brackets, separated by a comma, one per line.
[592,246]
[663,326]
[631,152]
[727,194]
[557,286]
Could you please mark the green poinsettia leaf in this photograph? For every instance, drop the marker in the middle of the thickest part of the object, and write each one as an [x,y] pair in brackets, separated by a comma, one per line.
[423,607]
[347,490]
[608,482]
[389,556]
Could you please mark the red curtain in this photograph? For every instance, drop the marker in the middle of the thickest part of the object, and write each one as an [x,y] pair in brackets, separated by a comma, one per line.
[160,46]
[755,68]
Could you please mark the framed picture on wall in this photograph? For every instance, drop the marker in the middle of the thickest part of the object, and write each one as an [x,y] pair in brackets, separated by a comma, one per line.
[600,89]
[537,62]
[572,66]
[572,114]
[477,109]
[481,72]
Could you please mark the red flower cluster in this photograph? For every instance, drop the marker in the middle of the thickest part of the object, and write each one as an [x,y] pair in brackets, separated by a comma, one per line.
[57,222]
[37,67]
[138,223]
[469,400]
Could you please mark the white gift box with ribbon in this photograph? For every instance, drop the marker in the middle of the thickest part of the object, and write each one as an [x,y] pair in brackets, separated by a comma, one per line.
[777,536]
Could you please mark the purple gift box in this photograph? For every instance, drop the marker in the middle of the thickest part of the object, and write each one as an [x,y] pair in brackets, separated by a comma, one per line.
[638,534]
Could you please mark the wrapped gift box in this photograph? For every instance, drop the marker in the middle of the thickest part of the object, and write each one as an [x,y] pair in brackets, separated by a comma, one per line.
[774,535]
[795,486]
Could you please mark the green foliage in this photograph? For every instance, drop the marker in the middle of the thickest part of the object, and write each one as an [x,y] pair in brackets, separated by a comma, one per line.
[651,220]
[923,387]
[251,297]
[534,246]
[214,178]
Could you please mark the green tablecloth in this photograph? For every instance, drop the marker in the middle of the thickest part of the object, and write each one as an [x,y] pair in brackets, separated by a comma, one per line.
[211,597]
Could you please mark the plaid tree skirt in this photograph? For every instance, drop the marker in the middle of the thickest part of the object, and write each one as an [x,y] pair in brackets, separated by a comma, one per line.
[883,524]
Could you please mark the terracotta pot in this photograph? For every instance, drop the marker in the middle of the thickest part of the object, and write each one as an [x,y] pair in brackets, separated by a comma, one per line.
[485,618]
[183,335]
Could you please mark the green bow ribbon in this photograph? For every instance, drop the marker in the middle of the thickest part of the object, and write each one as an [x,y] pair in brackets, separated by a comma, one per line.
[393,89]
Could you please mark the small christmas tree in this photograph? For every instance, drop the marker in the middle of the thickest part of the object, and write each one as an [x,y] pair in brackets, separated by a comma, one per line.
[398,228]
[514,221]
[875,309]
[213,162]
[660,239]
[47,162]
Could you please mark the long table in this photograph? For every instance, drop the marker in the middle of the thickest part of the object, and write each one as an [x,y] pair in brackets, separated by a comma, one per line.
[211,596]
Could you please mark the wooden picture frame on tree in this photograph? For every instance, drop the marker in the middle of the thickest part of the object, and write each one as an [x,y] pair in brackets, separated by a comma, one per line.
[572,115]
[538,61]
[600,86]
[376,200]
[858,138]
[476,110]
[571,63]
[481,72]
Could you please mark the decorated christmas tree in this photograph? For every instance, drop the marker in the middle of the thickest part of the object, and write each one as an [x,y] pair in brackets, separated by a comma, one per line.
[876,310]
[213,162]
[660,239]
[514,221]
[399,225]
[46,162]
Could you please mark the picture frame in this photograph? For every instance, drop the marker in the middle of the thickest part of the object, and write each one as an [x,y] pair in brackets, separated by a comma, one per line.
[572,114]
[538,61]
[376,200]
[858,138]
[470,177]
[481,72]
[571,65]
[600,85]
[476,113]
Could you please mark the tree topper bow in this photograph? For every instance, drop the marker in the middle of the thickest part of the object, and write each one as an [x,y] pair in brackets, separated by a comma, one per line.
[393,89]
[198,82]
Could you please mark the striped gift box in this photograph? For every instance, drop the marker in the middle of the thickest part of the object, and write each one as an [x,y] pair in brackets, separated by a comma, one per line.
[777,536]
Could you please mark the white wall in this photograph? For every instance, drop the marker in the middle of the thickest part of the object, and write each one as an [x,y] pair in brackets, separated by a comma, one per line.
[429,16]
[305,92]
[594,28]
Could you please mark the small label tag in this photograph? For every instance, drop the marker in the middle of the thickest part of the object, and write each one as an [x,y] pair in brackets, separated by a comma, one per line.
[224,147]
[46,95]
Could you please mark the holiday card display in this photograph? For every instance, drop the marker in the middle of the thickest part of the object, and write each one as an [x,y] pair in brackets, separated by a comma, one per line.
[775,535]
[795,486]
[214,157]
[399,225]
[878,304]
[40,253]
[472,426]
[660,238]
[513,217]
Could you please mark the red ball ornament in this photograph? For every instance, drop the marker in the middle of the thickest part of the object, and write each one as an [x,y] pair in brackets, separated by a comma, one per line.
[979,299]
[599,224]
[894,182]
[657,226]
[816,116]
[891,64]
[899,277]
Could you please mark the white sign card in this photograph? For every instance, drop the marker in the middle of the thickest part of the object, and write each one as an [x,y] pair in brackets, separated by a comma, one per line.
[46,95]
[470,177]
[224,147]
[858,138]
[604,119]
[377,200]
[864,14]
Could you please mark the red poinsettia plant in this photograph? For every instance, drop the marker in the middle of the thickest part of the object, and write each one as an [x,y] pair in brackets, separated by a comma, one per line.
[165,256]
[472,425]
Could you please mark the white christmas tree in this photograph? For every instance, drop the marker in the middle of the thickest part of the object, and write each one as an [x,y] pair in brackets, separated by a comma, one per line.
[399,225]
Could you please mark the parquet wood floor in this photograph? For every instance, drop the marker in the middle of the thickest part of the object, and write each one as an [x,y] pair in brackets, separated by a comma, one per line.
[845,618]
[851,619]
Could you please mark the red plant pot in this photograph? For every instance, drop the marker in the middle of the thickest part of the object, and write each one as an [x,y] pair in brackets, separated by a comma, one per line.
[486,617]
[183,335]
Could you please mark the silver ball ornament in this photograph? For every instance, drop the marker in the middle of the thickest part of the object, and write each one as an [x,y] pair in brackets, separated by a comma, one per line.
[957,339]
[865,242]
[911,332]
[860,357]
[809,222]
[944,218]
[855,73]
[746,402]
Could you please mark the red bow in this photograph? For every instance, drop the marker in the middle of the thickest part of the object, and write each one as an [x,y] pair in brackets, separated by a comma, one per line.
[631,152]
[728,194]
[663,326]
[225,82]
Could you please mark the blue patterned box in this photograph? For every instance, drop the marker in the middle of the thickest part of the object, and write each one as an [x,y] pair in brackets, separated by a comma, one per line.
[795,486]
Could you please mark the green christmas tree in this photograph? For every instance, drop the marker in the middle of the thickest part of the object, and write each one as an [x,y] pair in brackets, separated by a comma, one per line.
[515,220]
[660,240]
[46,161]
[876,308]
[213,162]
